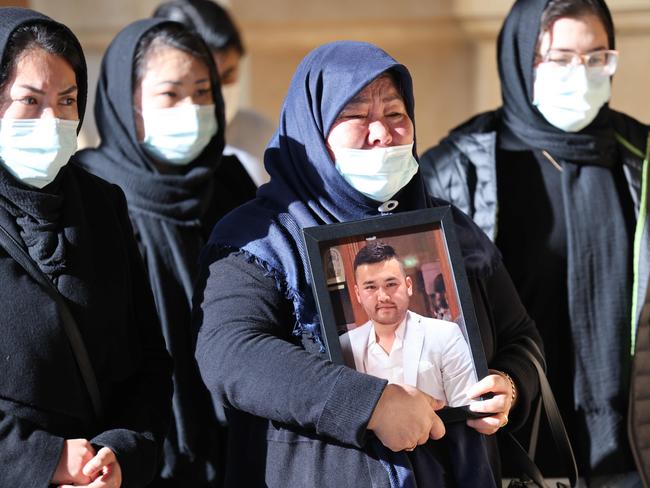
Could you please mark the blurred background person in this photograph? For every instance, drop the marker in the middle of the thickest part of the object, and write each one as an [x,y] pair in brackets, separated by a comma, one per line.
[438,299]
[557,178]
[160,116]
[247,131]
[85,390]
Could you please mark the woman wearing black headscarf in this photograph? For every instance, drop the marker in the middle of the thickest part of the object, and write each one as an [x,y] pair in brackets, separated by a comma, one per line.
[567,176]
[247,131]
[86,383]
[296,419]
[159,113]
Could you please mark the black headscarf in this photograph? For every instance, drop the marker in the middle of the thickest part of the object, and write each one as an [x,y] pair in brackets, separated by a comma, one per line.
[599,276]
[517,46]
[48,219]
[13,18]
[168,212]
[180,198]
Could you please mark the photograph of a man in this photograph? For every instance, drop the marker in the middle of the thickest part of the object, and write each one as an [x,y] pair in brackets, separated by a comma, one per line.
[397,344]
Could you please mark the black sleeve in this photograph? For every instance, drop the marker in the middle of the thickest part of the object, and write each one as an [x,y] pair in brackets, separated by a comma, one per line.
[139,416]
[233,187]
[27,454]
[235,177]
[510,324]
[246,357]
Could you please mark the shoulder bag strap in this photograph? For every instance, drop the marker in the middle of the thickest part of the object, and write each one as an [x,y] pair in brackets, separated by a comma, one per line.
[558,431]
[16,251]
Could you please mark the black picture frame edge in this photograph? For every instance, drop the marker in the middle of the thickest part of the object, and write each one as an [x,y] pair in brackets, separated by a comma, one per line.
[313,237]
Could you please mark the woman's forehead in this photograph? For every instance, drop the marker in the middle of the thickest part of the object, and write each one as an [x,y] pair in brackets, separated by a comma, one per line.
[382,87]
[40,66]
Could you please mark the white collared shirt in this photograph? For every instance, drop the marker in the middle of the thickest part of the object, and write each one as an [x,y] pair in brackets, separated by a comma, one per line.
[381,364]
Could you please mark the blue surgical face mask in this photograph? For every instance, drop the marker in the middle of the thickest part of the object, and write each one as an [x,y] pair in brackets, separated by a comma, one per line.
[570,97]
[178,135]
[35,150]
[377,173]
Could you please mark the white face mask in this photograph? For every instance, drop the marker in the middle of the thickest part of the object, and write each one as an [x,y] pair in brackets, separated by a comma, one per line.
[230,95]
[570,97]
[35,150]
[377,173]
[178,135]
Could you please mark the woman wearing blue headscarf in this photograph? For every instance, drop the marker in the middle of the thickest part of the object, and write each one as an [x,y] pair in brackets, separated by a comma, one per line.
[295,418]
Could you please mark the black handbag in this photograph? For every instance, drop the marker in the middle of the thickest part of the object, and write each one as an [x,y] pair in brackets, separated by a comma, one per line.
[20,255]
[532,476]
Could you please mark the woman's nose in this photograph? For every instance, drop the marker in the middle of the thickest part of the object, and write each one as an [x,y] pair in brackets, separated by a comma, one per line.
[379,133]
[188,100]
[49,113]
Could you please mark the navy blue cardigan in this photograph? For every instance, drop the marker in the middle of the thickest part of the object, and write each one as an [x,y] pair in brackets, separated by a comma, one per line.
[295,419]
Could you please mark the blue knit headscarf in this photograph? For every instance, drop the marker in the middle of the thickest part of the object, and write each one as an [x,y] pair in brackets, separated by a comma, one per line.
[306,189]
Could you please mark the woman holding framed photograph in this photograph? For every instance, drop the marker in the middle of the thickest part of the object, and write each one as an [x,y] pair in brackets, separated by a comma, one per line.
[345,147]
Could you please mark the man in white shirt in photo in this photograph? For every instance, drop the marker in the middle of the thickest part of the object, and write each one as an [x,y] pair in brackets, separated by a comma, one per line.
[399,345]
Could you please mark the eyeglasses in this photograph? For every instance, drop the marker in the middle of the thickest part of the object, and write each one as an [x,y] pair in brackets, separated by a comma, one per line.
[602,62]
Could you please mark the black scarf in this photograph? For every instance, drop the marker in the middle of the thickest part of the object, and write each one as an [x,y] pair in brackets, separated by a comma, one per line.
[598,240]
[168,214]
[49,220]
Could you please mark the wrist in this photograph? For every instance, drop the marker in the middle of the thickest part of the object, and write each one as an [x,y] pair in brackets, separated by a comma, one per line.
[511,382]
[377,411]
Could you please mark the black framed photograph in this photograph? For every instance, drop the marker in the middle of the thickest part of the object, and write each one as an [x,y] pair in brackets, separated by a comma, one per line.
[394,302]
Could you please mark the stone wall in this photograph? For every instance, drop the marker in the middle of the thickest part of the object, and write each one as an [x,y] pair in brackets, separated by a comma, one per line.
[449,46]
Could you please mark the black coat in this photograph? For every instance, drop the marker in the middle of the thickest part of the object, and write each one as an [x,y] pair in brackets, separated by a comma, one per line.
[172,215]
[463,168]
[297,420]
[43,399]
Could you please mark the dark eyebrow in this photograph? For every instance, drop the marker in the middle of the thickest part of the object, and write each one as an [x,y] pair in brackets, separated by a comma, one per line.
[391,98]
[67,91]
[168,82]
[358,99]
[32,88]
[563,50]
[178,83]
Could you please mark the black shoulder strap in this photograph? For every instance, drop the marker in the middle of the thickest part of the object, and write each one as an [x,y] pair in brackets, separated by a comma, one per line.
[16,251]
[558,431]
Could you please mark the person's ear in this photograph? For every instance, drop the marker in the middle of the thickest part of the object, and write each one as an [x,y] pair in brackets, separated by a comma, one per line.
[409,286]
[356,292]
